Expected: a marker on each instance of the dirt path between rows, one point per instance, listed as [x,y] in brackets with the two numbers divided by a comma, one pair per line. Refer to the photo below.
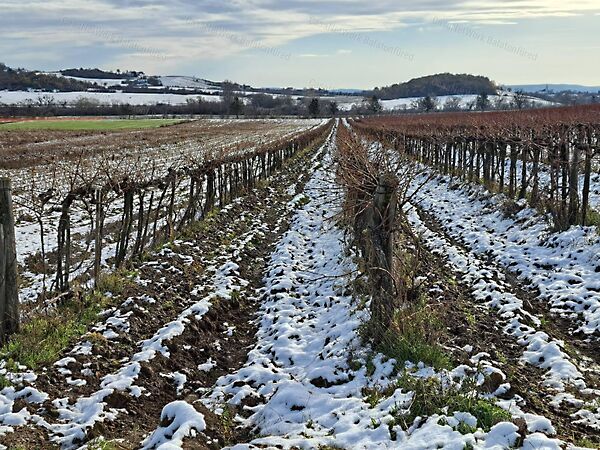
[471,323]
[208,347]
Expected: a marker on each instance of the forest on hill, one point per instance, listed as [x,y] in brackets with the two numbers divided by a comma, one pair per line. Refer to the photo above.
[437,85]
[22,79]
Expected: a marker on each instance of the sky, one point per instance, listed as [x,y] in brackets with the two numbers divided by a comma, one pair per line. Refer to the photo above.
[310,43]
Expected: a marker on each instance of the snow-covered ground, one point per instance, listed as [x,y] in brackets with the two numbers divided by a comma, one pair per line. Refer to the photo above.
[309,376]
[106,82]
[157,161]
[544,179]
[299,372]
[489,287]
[186,82]
[345,103]
[109,98]
[563,266]
[169,81]
[219,282]
[464,101]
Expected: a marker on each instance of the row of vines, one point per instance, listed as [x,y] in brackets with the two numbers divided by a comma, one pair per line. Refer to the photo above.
[149,209]
[548,157]
[372,184]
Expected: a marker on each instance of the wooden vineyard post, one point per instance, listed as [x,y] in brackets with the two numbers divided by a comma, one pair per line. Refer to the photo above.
[586,185]
[9,294]
[535,190]
[98,236]
[381,218]
[574,187]
[524,159]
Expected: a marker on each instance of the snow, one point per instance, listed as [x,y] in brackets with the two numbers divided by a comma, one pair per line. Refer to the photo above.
[466,101]
[179,379]
[306,333]
[501,436]
[539,441]
[168,81]
[65,361]
[87,411]
[108,82]
[345,103]
[8,396]
[84,348]
[207,366]
[488,286]
[179,81]
[298,373]
[563,266]
[15,97]
[218,284]
[183,420]
[306,392]
[177,155]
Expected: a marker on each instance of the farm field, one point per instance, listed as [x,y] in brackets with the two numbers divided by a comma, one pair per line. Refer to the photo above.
[83,124]
[86,162]
[345,102]
[412,282]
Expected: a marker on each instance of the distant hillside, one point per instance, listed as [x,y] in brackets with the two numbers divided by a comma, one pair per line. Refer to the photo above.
[548,88]
[99,74]
[182,82]
[21,80]
[437,85]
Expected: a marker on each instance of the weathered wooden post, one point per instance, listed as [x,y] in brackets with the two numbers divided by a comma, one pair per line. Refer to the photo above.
[99,198]
[381,221]
[9,294]
[586,184]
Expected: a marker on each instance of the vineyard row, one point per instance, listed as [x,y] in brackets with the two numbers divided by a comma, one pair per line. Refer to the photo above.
[154,210]
[550,162]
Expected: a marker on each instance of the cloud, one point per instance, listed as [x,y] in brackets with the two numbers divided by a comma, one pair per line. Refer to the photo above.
[313,55]
[190,31]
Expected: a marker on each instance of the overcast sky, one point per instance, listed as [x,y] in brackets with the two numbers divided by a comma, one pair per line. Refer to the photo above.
[310,43]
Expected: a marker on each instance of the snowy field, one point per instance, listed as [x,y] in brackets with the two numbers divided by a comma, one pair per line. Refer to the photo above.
[109,98]
[147,161]
[463,101]
[345,103]
[169,81]
[249,333]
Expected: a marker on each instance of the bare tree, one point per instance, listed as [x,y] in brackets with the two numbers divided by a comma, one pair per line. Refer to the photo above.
[333,108]
[373,104]
[452,104]
[519,100]
[236,106]
[228,93]
[314,108]
[427,103]
[482,102]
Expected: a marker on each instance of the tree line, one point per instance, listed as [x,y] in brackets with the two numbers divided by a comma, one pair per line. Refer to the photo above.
[22,80]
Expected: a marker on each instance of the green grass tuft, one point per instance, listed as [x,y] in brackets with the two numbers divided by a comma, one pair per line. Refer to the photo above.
[102,444]
[115,282]
[431,397]
[87,124]
[42,339]
[593,218]
[414,336]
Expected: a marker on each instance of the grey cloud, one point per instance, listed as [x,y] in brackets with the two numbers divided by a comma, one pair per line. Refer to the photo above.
[186,29]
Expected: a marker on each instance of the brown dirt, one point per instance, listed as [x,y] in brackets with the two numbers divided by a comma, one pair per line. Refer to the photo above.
[470,323]
[196,344]
[30,148]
